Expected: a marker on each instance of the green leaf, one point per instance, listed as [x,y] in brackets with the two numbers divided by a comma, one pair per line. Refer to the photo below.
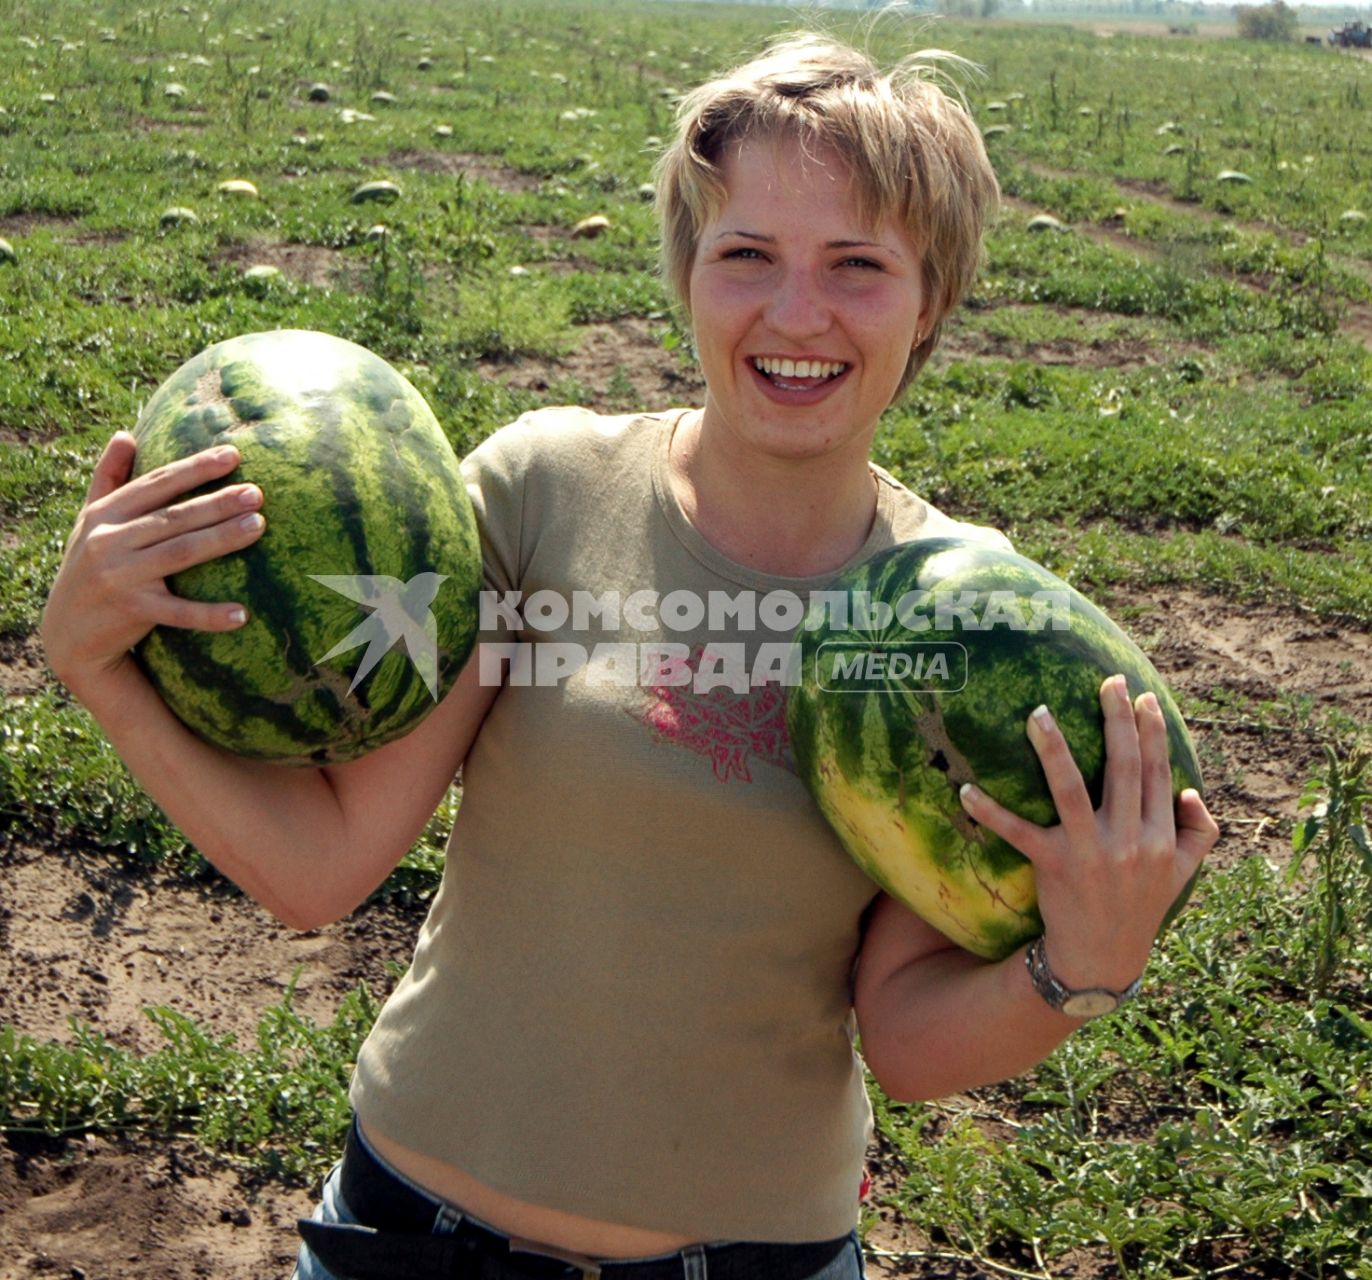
[1303,837]
[1305,832]
[1358,835]
[1362,1024]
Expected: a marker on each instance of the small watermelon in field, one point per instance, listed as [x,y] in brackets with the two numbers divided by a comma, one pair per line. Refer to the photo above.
[362,591]
[382,191]
[946,648]
[177,216]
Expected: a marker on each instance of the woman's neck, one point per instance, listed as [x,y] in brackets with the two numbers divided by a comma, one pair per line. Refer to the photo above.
[792,518]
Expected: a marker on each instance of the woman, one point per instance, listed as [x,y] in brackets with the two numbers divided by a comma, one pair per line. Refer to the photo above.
[626,1040]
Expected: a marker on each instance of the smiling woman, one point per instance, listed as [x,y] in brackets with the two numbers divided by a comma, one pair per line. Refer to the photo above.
[914,156]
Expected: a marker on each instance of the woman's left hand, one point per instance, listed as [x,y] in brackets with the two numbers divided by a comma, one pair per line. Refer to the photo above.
[1106,877]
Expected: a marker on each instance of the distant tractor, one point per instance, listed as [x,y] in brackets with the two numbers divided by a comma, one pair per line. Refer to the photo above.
[1352,35]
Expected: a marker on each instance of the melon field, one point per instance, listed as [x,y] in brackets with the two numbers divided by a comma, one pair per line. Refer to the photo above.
[1161,388]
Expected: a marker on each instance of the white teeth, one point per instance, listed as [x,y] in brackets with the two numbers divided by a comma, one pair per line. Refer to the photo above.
[797,368]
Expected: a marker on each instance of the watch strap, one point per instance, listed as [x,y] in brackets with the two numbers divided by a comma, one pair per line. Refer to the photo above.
[1085,1002]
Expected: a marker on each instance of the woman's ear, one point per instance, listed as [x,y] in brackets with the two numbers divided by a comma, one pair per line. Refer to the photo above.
[923,327]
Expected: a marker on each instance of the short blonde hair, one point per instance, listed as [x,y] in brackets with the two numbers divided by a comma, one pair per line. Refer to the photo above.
[917,158]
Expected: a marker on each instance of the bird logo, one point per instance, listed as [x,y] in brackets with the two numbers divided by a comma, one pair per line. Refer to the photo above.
[399,611]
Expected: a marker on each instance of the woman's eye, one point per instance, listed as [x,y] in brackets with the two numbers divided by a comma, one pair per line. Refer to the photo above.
[862,262]
[745,253]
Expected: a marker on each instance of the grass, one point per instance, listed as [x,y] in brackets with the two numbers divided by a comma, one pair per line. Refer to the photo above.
[280,1104]
[1204,426]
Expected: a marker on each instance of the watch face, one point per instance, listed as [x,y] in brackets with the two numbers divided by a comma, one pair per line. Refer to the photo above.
[1090,1004]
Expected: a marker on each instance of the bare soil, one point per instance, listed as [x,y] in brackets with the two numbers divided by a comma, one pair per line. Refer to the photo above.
[472,166]
[310,264]
[16,225]
[628,354]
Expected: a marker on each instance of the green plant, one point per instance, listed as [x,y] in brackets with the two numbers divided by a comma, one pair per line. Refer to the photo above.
[280,1105]
[1334,836]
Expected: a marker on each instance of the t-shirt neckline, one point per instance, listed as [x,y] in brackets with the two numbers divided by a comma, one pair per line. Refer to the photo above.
[695,542]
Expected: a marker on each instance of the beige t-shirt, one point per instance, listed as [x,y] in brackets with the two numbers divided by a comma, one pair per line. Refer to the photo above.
[631,998]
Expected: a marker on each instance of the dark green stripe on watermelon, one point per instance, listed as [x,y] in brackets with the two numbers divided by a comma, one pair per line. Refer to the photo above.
[885,758]
[357,479]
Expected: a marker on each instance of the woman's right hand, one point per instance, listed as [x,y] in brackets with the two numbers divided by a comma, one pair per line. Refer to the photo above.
[130,535]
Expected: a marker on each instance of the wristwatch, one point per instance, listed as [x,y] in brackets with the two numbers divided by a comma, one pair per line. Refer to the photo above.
[1089,1002]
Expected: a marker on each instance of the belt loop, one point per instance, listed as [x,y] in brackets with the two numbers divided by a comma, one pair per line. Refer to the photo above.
[693,1264]
[447,1220]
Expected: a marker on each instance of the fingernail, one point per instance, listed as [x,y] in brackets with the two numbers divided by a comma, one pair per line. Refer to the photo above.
[238,616]
[1042,718]
[969,792]
[251,523]
[1150,701]
[226,454]
[248,497]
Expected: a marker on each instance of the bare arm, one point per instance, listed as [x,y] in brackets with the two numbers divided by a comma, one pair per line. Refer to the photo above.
[308,843]
[936,1019]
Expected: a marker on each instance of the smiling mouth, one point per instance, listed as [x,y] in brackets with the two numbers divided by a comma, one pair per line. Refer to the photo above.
[798,375]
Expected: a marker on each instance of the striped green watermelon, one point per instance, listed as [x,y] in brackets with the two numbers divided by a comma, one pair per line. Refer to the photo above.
[370,549]
[884,741]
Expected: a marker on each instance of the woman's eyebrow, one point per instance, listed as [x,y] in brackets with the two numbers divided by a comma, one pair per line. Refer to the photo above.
[832,244]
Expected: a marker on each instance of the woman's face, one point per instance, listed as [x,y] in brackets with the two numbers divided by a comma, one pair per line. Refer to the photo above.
[804,316]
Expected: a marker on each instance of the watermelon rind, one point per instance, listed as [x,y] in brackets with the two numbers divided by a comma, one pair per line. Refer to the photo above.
[357,479]
[884,758]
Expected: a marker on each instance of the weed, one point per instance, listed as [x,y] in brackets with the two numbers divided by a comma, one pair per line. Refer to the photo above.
[1334,836]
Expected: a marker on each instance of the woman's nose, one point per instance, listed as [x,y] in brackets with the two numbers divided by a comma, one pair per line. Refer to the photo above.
[798,307]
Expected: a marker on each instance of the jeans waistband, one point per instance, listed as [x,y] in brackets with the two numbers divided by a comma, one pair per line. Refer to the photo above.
[411,1233]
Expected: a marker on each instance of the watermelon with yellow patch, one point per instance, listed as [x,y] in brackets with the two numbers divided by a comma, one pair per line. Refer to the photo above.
[917,672]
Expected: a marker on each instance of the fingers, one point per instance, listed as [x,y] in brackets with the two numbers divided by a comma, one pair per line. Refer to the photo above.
[1073,802]
[130,551]
[1120,793]
[179,552]
[1155,782]
[1031,840]
[161,486]
[1137,809]
[111,588]
[114,466]
[224,509]
[196,615]
[1065,782]
[1197,831]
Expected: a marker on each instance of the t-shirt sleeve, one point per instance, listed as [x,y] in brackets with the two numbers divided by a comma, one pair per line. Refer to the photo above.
[915,518]
[947,527]
[496,472]
[518,479]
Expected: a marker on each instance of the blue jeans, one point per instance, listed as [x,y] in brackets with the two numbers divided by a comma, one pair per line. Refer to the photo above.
[848,1265]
